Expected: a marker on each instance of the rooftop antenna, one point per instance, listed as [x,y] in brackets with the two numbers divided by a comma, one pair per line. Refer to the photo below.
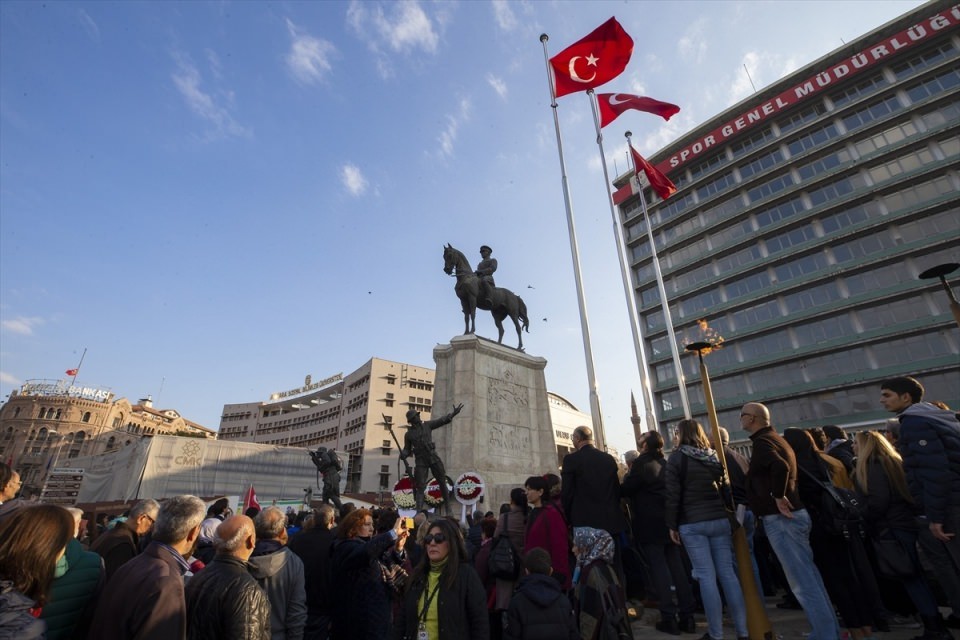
[749,78]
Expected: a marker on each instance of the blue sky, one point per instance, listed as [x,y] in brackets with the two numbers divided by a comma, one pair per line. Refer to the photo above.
[220,198]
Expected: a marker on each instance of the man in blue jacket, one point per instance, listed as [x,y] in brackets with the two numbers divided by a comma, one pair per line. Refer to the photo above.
[929,443]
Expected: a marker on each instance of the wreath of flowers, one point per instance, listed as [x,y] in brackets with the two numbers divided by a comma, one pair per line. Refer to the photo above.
[469,488]
[403,497]
[433,496]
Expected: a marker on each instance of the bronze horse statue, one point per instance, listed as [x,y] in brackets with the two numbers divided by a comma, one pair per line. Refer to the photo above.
[475,294]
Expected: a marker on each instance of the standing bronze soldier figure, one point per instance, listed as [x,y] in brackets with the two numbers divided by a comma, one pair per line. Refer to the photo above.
[418,442]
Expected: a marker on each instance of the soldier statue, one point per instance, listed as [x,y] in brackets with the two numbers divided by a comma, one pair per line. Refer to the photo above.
[328,463]
[418,442]
[485,270]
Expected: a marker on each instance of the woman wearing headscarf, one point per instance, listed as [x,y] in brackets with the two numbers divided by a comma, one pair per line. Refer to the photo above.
[445,599]
[598,595]
[698,518]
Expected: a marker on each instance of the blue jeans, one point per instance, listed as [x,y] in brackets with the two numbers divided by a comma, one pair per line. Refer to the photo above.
[710,547]
[790,539]
[750,528]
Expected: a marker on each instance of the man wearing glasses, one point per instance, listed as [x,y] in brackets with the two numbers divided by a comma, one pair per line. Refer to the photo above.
[122,543]
[774,498]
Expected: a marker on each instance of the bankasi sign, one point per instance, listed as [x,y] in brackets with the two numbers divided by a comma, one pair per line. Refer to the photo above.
[865,59]
[61,389]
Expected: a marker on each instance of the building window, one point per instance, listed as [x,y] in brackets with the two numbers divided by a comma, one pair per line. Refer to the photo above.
[16,412]
[86,417]
[385,448]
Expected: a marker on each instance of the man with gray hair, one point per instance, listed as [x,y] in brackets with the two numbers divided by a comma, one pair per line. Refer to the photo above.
[145,598]
[122,543]
[280,573]
[223,600]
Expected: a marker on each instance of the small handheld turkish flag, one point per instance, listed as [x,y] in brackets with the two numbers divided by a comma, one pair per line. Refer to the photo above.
[593,60]
[613,104]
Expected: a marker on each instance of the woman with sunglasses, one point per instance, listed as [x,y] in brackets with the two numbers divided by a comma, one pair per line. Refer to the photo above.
[361,598]
[445,599]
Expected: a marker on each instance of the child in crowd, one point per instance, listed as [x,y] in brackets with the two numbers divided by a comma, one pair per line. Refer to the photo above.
[539,609]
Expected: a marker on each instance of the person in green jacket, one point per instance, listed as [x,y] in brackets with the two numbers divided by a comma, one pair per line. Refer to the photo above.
[78,580]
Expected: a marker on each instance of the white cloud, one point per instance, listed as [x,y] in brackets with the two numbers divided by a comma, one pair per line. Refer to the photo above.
[6,378]
[498,85]
[693,44]
[89,26]
[21,325]
[449,134]
[406,29]
[352,178]
[213,109]
[309,57]
[504,15]
[764,68]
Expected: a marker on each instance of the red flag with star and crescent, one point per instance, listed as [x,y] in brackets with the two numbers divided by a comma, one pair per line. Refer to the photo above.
[593,60]
[659,182]
[613,104]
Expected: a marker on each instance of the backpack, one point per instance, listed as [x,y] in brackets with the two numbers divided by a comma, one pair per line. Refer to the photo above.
[504,560]
[840,511]
[604,598]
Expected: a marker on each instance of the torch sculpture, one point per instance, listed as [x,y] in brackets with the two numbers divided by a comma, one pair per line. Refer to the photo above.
[758,624]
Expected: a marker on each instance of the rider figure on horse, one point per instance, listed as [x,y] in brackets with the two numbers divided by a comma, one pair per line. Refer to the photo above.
[485,270]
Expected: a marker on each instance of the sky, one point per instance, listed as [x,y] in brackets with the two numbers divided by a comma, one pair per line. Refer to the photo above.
[217,199]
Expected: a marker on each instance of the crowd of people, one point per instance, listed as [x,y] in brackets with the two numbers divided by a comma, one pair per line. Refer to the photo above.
[859,533]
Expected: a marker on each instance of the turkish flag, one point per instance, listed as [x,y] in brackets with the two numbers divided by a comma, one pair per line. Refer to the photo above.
[72,372]
[250,499]
[592,61]
[613,104]
[659,182]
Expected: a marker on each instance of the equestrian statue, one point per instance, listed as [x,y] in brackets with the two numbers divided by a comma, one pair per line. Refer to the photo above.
[476,290]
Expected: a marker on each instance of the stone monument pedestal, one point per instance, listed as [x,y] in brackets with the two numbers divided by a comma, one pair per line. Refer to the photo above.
[504,432]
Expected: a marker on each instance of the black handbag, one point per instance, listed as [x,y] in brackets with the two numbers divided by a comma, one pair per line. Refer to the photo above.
[893,560]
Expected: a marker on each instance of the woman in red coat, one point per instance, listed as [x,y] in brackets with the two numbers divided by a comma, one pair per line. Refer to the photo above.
[546,528]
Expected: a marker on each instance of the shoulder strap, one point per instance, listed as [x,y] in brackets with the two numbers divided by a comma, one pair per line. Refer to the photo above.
[826,486]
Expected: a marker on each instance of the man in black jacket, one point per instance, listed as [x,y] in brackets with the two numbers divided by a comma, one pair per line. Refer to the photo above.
[313,547]
[223,600]
[590,491]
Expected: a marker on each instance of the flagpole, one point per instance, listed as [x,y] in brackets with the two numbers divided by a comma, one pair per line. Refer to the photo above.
[595,413]
[647,395]
[84,355]
[664,303]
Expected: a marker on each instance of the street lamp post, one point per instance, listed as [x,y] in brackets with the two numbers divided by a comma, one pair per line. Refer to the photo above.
[940,271]
[758,624]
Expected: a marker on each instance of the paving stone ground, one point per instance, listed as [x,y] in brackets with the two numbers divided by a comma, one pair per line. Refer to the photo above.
[788,624]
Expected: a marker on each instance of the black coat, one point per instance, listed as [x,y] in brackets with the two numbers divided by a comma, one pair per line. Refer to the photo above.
[313,547]
[461,609]
[539,610]
[591,490]
[360,598]
[646,487]
[886,508]
[224,601]
[693,496]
